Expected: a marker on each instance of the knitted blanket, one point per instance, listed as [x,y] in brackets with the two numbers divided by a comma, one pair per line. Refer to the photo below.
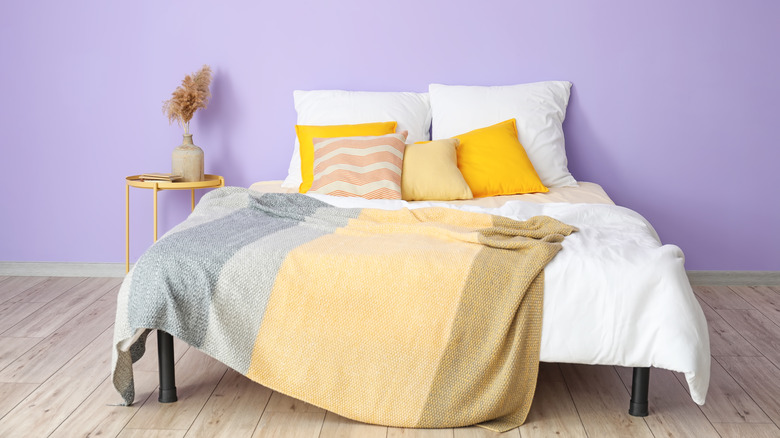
[410,318]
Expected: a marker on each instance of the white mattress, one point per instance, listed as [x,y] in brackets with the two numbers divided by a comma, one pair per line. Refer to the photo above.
[613,296]
[589,193]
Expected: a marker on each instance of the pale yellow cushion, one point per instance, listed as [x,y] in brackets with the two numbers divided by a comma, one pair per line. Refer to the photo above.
[493,162]
[306,134]
[430,172]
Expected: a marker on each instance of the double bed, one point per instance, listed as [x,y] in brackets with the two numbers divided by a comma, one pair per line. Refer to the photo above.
[612,295]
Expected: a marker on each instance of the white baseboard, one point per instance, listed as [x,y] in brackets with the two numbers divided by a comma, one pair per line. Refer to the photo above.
[61,269]
[58,269]
[734,278]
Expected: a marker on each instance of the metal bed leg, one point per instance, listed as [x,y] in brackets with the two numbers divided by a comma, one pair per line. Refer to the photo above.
[639,390]
[165,367]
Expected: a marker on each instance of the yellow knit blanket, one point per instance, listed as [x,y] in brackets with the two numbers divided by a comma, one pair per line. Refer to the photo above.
[414,318]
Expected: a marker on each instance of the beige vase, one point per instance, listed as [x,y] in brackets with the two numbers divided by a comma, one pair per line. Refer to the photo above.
[188,161]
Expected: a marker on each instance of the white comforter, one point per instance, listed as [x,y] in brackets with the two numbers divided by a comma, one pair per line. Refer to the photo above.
[613,296]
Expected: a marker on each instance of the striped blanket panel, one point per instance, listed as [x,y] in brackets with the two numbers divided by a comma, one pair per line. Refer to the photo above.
[409,318]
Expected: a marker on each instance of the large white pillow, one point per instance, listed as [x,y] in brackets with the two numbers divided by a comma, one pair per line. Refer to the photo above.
[412,112]
[539,109]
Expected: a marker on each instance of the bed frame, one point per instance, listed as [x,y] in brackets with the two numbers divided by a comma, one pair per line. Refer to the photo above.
[636,408]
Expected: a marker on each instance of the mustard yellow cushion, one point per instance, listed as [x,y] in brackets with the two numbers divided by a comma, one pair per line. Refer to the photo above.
[430,172]
[493,162]
[306,134]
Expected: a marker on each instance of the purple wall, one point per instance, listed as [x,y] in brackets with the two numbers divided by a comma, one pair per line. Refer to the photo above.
[674,106]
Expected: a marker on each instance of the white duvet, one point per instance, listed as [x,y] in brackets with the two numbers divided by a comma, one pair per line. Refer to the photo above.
[613,296]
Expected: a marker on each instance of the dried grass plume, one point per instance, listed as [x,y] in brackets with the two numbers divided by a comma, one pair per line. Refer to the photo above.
[192,94]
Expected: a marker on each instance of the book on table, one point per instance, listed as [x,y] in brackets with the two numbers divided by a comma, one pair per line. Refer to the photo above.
[161,177]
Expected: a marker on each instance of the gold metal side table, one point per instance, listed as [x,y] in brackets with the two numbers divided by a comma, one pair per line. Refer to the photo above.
[209,182]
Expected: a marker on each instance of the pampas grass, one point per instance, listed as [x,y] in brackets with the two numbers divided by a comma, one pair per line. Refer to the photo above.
[192,94]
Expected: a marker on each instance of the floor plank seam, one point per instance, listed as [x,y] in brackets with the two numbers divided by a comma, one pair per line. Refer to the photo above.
[747,392]
[206,401]
[68,321]
[322,423]
[69,413]
[146,400]
[62,293]
[254,430]
[43,283]
[571,397]
[110,327]
[748,340]
[8,280]
[66,363]
[78,406]
[736,355]
[2,417]
[20,354]
[738,332]
[760,310]
[744,389]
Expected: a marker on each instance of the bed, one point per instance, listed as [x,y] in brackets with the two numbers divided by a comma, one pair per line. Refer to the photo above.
[613,294]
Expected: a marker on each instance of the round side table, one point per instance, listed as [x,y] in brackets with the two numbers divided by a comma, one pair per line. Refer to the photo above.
[209,182]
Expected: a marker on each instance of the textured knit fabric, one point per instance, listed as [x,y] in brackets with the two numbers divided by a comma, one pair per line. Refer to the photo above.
[407,318]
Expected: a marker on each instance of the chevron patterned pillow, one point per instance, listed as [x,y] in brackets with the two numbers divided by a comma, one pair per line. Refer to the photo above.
[365,167]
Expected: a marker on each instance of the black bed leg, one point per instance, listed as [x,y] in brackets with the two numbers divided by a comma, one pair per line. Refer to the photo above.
[165,367]
[639,389]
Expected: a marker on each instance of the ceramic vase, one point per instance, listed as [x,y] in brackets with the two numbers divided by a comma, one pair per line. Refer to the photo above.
[188,161]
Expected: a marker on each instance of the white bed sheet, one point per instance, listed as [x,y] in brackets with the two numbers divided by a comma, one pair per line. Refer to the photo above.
[613,296]
[586,192]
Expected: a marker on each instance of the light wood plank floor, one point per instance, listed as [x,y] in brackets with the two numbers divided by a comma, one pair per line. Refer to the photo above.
[55,340]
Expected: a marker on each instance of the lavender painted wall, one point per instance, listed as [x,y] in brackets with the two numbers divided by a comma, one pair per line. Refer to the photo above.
[674,106]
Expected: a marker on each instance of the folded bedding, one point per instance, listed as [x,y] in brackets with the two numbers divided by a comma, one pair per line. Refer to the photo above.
[411,318]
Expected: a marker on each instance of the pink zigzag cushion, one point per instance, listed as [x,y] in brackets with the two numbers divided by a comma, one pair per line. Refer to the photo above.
[365,167]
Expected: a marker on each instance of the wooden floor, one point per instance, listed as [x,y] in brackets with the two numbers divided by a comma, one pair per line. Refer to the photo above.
[55,343]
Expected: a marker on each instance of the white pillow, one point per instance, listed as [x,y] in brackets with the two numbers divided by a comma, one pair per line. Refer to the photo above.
[539,109]
[412,112]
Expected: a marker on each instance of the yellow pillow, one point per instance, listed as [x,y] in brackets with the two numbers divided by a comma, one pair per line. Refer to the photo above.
[307,133]
[430,172]
[493,162]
